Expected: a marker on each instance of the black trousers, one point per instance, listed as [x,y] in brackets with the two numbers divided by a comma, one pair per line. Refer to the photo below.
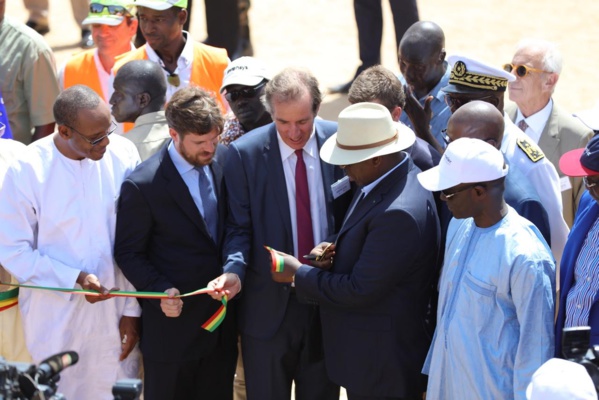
[293,354]
[369,19]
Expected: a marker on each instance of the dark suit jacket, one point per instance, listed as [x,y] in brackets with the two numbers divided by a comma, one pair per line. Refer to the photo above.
[162,242]
[562,133]
[374,300]
[259,215]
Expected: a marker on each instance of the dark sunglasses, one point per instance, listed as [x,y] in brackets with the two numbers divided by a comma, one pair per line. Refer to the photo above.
[97,8]
[246,93]
[457,102]
[521,70]
[589,185]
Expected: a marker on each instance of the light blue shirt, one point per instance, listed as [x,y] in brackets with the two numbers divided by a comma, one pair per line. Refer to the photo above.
[190,176]
[440,109]
[495,314]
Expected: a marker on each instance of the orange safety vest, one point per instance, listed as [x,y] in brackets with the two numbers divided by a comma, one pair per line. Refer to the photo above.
[207,69]
[81,70]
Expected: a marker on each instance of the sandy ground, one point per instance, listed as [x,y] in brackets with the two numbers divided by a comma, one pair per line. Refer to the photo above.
[321,35]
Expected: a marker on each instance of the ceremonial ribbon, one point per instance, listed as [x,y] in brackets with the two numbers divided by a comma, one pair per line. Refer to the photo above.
[277,261]
[9,299]
[209,325]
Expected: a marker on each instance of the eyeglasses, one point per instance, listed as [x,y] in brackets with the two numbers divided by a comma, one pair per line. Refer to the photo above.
[457,102]
[94,142]
[97,8]
[246,93]
[521,70]
[589,185]
[450,195]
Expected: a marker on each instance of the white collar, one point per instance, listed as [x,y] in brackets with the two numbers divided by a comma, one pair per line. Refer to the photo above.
[311,147]
[538,120]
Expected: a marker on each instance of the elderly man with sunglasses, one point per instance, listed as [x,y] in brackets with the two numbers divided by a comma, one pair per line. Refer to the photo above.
[113,27]
[58,224]
[496,292]
[243,84]
[536,66]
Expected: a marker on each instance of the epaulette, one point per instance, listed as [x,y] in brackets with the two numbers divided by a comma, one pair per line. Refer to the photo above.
[531,150]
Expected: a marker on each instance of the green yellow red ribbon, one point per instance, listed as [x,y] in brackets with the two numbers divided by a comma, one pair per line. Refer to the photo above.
[9,299]
[209,325]
[277,261]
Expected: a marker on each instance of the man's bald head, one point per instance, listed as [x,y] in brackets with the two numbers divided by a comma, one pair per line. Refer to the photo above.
[421,56]
[145,75]
[479,120]
[423,37]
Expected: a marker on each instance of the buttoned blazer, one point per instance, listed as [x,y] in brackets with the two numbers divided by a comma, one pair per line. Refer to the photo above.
[163,242]
[374,301]
[259,216]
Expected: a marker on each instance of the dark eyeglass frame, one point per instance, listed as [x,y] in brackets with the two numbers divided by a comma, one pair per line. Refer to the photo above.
[588,185]
[521,69]
[97,8]
[450,195]
[461,101]
[94,142]
[246,93]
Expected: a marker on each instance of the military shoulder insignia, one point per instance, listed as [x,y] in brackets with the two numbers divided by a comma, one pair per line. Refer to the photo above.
[531,150]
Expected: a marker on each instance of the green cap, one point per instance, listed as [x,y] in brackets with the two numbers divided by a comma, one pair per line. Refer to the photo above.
[160,5]
[100,13]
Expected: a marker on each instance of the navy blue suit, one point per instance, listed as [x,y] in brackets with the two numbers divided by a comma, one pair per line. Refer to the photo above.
[259,215]
[374,299]
[162,242]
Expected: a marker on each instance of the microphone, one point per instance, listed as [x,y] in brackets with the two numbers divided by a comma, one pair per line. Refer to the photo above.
[54,365]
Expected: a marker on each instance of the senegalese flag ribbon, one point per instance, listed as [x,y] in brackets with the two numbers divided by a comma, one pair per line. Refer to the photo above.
[277,261]
[210,325]
[9,299]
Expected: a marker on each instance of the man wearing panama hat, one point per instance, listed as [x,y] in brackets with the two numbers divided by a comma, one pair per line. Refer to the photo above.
[374,298]
[113,27]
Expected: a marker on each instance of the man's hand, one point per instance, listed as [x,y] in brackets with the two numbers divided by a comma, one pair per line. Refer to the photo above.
[324,253]
[91,282]
[227,284]
[290,267]
[420,117]
[129,329]
[172,306]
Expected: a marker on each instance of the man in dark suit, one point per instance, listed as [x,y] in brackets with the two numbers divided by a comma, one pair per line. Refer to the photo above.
[281,195]
[169,229]
[374,298]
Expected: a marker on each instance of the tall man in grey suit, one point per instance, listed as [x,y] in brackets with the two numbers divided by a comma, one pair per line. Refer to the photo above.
[169,229]
[374,298]
[280,195]
[537,65]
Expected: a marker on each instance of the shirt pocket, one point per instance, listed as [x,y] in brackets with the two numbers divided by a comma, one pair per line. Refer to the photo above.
[476,302]
[480,287]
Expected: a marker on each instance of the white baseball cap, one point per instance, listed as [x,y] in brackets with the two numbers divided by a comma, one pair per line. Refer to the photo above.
[246,71]
[559,379]
[465,160]
[365,130]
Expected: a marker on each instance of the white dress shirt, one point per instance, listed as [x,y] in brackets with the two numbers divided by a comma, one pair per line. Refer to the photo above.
[536,122]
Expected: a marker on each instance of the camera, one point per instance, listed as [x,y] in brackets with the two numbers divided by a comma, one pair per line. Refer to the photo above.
[23,381]
[576,348]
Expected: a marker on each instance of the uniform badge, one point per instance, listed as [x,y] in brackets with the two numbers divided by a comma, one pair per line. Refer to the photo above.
[531,150]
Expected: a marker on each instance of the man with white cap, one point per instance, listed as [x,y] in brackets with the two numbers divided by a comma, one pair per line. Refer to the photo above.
[244,83]
[496,293]
[374,297]
[183,60]
[472,79]
[113,27]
